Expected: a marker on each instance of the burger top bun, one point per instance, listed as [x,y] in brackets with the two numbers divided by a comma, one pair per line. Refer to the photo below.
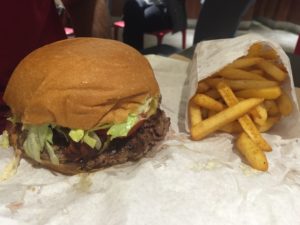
[80,83]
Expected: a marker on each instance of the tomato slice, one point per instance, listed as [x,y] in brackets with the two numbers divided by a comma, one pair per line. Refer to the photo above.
[135,127]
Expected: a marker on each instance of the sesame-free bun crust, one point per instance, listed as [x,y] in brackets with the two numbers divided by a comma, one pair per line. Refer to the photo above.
[80,83]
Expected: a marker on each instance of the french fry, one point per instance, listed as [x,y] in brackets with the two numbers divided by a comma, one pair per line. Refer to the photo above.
[202,87]
[270,122]
[259,72]
[271,107]
[259,114]
[255,50]
[269,54]
[228,115]
[207,102]
[253,154]
[242,84]
[259,50]
[213,82]
[244,97]
[280,65]
[194,114]
[213,93]
[266,93]
[285,104]
[273,70]
[245,62]
[232,128]
[248,84]
[245,121]
[238,74]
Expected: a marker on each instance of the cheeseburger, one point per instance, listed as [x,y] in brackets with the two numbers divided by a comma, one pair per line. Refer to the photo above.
[83,104]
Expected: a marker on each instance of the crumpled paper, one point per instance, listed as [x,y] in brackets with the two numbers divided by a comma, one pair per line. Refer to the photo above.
[186,182]
[212,56]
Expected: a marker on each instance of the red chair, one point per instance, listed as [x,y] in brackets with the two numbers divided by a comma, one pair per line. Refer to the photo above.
[159,34]
[69,31]
[117,25]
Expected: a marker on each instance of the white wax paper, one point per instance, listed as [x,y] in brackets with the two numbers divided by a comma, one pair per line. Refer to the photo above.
[186,182]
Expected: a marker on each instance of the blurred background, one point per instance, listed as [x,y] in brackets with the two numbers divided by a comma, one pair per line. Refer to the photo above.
[278,20]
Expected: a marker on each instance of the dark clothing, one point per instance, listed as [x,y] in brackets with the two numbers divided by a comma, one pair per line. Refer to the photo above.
[141,17]
[219,19]
[176,9]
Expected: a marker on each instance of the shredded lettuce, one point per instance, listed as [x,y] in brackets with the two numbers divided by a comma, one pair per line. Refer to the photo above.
[37,138]
[98,144]
[153,107]
[88,137]
[13,119]
[11,167]
[76,134]
[40,137]
[89,140]
[4,141]
[92,140]
[104,126]
[115,130]
[149,107]
[145,107]
[53,157]
[122,129]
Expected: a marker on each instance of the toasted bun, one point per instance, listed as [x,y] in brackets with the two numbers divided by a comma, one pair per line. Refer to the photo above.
[80,83]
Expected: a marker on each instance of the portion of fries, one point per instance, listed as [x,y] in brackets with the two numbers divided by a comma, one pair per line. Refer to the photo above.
[243,98]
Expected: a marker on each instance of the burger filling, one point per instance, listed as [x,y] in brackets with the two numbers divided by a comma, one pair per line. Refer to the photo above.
[60,144]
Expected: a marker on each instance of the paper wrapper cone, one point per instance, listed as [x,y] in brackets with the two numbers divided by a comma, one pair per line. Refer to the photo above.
[211,56]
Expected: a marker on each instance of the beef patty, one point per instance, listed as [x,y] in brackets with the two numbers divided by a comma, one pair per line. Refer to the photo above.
[119,150]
